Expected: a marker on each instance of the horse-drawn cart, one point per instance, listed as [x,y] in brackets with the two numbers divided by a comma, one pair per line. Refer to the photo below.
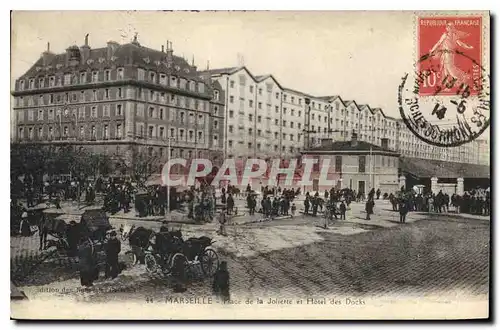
[188,254]
[68,231]
[165,251]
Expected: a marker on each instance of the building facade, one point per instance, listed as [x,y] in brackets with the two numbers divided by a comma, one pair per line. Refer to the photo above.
[281,122]
[119,97]
[354,164]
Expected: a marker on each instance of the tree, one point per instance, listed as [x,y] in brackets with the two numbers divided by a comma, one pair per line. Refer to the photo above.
[139,163]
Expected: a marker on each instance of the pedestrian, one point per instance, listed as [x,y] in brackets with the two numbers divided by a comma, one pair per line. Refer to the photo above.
[430,202]
[230,204]
[179,275]
[73,236]
[220,284]
[403,210]
[294,208]
[112,249]
[164,227]
[343,209]
[24,227]
[306,205]
[86,264]
[370,204]
[222,222]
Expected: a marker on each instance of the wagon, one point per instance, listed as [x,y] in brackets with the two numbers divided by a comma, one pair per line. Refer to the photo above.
[185,255]
[68,230]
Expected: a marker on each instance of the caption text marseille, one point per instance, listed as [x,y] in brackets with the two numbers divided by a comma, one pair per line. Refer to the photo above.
[269,301]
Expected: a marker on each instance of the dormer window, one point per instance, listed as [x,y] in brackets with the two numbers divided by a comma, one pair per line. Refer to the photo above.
[83,77]
[163,79]
[140,74]
[32,84]
[216,95]
[67,79]
[120,73]
[107,75]
[21,85]
[41,83]
[152,77]
[94,76]
[201,87]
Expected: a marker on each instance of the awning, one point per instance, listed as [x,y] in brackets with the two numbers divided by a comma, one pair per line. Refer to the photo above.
[428,168]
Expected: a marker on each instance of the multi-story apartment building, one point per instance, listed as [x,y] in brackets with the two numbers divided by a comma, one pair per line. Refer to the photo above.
[279,121]
[119,96]
[253,113]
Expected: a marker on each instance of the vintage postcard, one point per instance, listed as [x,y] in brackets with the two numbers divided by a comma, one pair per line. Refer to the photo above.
[250,165]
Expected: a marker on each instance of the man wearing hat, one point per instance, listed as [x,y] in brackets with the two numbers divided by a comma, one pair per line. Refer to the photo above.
[164,227]
[24,228]
[222,222]
[112,248]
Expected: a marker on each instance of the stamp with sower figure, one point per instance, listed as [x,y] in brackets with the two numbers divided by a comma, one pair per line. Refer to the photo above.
[446,100]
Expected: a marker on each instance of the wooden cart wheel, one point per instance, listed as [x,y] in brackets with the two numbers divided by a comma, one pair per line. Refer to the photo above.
[151,264]
[209,262]
[130,259]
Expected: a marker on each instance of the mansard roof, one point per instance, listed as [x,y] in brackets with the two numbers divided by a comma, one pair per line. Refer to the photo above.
[130,54]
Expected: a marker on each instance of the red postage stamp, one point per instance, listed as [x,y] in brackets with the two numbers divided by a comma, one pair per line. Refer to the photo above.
[449,55]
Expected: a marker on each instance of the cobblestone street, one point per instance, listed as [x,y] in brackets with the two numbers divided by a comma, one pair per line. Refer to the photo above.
[296,258]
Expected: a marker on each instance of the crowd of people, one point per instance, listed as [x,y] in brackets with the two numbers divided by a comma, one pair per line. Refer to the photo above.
[476,201]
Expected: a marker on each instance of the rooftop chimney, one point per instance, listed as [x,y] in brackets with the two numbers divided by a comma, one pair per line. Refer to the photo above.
[170,52]
[384,143]
[85,49]
[354,139]
[135,41]
[162,48]
[47,56]
[112,46]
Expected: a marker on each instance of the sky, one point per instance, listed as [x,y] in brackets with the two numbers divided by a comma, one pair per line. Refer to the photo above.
[357,55]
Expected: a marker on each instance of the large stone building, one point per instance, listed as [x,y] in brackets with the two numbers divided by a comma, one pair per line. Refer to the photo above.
[281,122]
[354,164]
[119,97]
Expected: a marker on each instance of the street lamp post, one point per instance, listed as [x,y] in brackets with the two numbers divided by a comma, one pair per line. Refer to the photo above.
[169,140]
[372,163]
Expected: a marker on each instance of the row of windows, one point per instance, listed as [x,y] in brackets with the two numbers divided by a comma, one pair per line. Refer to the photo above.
[292,99]
[62,98]
[251,88]
[384,161]
[276,134]
[106,110]
[172,81]
[313,115]
[299,112]
[162,97]
[64,132]
[258,146]
[96,76]
[174,152]
[160,133]
[67,79]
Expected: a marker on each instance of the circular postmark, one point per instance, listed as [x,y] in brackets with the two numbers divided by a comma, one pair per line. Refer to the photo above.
[442,106]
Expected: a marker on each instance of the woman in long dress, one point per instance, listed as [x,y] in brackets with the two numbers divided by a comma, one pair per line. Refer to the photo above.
[446,49]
